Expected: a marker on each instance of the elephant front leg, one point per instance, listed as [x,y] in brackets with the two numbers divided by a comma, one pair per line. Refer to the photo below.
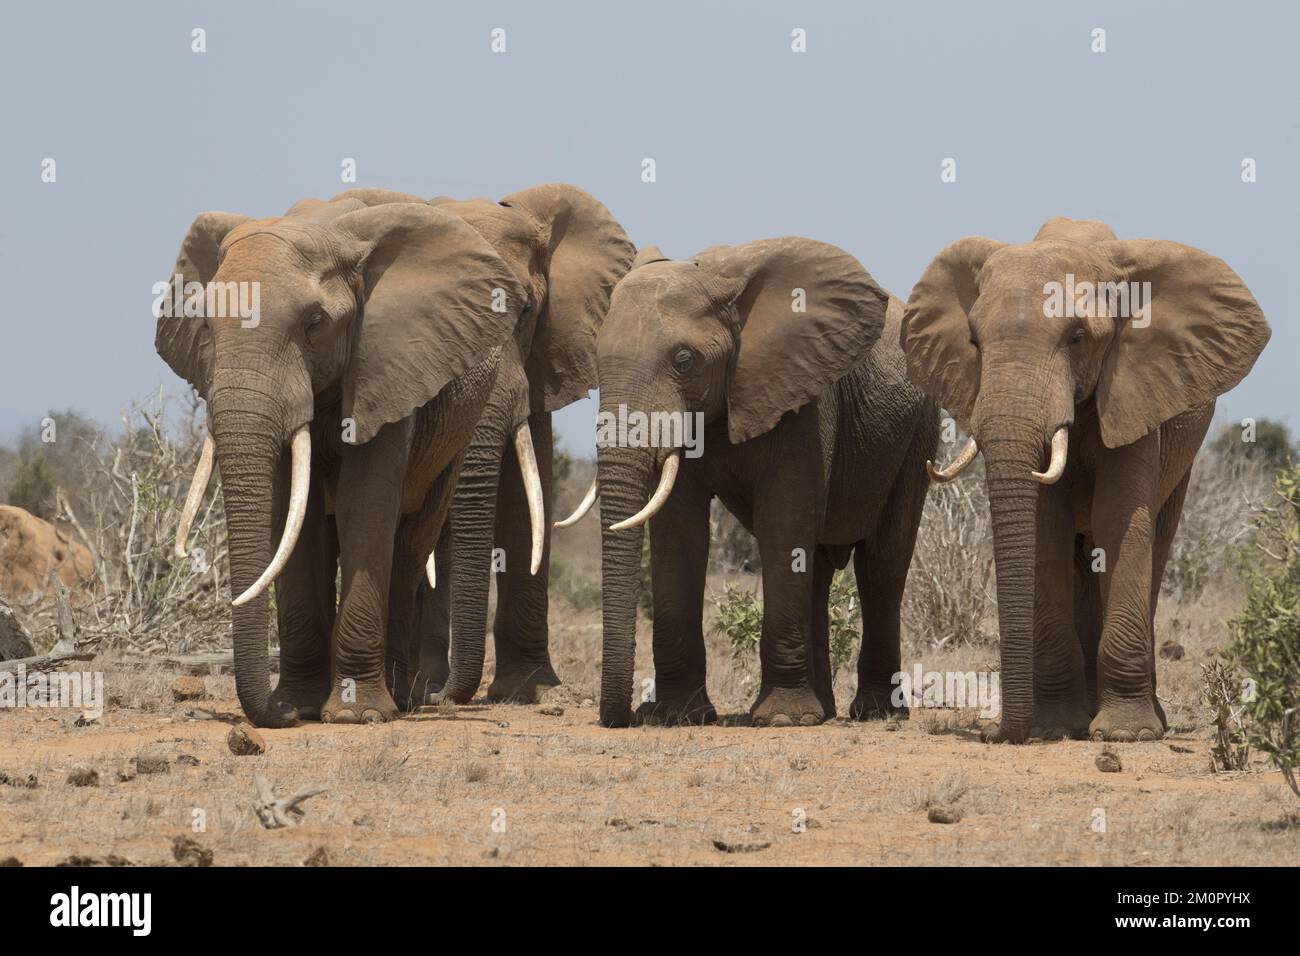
[1060,685]
[304,602]
[1123,525]
[368,510]
[786,532]
[523,659]
[679,556]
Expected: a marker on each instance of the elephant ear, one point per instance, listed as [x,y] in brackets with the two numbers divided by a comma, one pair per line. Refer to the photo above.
[588,254]
[808,312]
[184,342]
[436,300]
[647,255]
[1201,336]
[935,334]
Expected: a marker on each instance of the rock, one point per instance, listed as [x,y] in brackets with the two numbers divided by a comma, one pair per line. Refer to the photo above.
[1171,651]
[319,857]
[145,764]
[1108,761]
[551,710]
[83,776]
[244,741]
[753,846]
[187,760]
[943,815]
[188,687]
[189,852]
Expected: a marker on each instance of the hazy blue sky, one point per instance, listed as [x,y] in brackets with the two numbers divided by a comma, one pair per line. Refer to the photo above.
[842,143]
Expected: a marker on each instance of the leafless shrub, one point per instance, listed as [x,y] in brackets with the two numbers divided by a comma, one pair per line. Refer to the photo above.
[949,599]
[141,596]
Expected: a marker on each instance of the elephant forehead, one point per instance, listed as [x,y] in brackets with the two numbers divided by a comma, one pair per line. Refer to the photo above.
[1032,266]
[272,245]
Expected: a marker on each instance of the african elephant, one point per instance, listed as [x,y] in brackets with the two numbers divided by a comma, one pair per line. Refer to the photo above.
[568,252]
[371,356]
[812,438]
[1111,353]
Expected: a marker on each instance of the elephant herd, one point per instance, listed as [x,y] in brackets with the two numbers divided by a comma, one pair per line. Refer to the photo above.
[383,432]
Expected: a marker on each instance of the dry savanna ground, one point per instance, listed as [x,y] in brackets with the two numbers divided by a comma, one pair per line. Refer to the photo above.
[546,785]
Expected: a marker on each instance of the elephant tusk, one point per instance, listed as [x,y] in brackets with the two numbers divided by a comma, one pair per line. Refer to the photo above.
[533,492]
[431,569]
[584,506]
[194,497]
[1056,467]
[956,466]
[299,482]
[666,480]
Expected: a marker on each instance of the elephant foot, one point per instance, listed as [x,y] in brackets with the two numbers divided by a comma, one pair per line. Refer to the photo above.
[787,707]
[1126,722]
[876,702]
[301,697]
[368,703]
[671,710]
[1060,720]
[520,683]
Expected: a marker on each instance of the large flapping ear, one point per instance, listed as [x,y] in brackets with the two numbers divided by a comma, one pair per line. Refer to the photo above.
[436,299]
[588,254]
[935,335]
[1200,337]
[184,342]
[808,312]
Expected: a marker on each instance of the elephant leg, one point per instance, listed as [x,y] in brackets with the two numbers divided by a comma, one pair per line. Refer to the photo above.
[881,567]
[819,650]
[435,618]
[789,504]
[1123,524]
[519,631]
[417,535]
[1060,682]
[1166,526]
[368,510]
[679,557]
[1087,613]
[304,603]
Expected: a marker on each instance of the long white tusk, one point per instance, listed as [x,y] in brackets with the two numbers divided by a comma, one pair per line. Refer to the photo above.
[1056,467]
[431,570]
[533,492]
[584,506]
[956,466]
[299,482]
[194,497]
[666,479]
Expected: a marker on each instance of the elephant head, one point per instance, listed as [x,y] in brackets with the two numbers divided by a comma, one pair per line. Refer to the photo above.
[741,334]
[1014,339]
[370,310]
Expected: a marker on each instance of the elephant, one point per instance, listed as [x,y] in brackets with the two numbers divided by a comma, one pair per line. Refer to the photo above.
[568,252]
[31,549]
[1107,357]
[811,436]
[371,357]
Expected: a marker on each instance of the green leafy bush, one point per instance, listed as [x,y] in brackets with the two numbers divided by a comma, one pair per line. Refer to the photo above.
[1265,646]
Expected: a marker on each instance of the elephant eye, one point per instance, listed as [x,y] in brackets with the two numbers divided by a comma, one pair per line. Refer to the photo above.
[683,360]
[1076,336]
[314,320]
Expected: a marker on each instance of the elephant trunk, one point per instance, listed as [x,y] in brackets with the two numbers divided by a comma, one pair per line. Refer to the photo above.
[473,518]
[625,475]
[1012,452]
[247,424]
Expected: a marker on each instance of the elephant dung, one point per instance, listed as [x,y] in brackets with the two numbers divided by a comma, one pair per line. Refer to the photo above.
[188,687]
[244,741]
